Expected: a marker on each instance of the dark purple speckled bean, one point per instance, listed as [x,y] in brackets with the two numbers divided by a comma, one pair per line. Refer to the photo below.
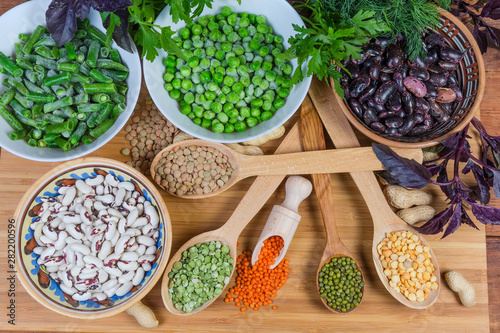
[449,66]
[356,107]
[394,102]
[407,126]
[384,77]
[378,126]
[368,92]
[377,107]
[408,102]
[385,91]
[419,73]
[358,85]
[437,80]
[394,56]
[394,122]
[398,78]
[370,116]
[450,55]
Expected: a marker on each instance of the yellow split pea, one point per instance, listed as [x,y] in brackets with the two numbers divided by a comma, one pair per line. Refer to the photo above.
[407,264]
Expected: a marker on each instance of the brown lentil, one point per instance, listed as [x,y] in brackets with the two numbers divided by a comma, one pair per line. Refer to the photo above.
[148,132]
[183,172]
[407,264]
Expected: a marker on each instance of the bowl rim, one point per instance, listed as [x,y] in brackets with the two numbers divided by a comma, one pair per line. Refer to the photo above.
[206,134]
[460,126]
[22,149]
[31,193]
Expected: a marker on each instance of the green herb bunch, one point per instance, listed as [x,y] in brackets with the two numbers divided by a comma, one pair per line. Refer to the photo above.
[337,29]
[329,39]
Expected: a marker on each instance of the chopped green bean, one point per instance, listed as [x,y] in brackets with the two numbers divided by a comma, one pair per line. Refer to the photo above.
[18,135]
[66,101]
[90,107]
[59,128]
[10,119]
[7,97]
[95,88]
[28,47]
[57,79]
[93,53]
[68,67]
[40,98]
[99,77]
[100,98]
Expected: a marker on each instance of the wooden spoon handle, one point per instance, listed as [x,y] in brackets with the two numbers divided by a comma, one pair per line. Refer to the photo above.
[312,162]
[343,136]
[262,188]
[314,139]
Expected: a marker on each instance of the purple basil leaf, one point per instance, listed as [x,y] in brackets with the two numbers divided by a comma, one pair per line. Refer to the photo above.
[467,220]
[443,178]
[387,177]
[496,182]
[492,35]
[483,189]
[491,9]
[455,221]
[120,33]
[109,5]
[61,18]
[480,38]
[451,142]
[436,224]
[486,214]
[434,169]
[468,167]
[408,173]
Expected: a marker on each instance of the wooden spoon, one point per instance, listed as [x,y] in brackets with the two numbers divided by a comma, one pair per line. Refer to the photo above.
[326,161]
[255,198]
[384,219]
[313,139]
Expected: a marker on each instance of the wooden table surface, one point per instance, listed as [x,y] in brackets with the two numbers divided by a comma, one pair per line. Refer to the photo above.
[299,306]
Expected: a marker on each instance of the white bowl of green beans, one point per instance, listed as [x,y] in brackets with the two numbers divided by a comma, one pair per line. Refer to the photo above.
[249,107]
[49,111]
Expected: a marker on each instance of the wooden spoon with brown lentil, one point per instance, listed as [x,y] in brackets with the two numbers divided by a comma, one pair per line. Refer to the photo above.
[197,169]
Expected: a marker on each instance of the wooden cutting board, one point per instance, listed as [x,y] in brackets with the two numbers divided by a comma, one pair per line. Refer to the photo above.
[299,306]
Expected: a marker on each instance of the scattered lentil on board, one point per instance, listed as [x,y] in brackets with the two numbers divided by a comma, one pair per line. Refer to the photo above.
[193,170]
[257,285]
[407,264]
[148,133]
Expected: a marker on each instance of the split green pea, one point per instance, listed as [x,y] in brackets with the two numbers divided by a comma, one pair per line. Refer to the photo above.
[200,275]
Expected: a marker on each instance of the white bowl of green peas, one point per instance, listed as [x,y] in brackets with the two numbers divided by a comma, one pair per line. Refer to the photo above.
[65,110]
[232,87]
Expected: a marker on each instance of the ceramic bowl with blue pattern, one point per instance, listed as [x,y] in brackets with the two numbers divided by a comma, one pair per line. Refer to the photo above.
[34,277]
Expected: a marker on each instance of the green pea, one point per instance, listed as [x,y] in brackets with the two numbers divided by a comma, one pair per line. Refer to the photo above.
[251,121]
[233,62]
[184,33]
[228,81]
[193,62]
[218,128]
[175,94]
[245,112]
[208,114]
[240,126]
[185,71]
[219,55]
[228,128]
[170,61]
[186,109]
[186,84]
[266,115]
[226,90]
[216,107]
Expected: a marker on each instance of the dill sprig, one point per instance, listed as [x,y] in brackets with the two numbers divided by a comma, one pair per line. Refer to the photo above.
[405,17]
